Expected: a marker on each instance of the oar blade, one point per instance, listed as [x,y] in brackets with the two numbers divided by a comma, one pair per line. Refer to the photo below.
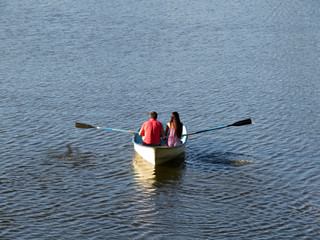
[241,123]
[84,125]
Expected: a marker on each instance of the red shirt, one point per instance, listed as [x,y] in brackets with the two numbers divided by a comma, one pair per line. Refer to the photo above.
[151,131]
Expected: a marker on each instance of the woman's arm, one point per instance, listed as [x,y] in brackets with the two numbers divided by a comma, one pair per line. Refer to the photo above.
[167,129]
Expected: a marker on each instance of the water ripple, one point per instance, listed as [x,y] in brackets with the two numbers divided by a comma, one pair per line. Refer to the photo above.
[110,64]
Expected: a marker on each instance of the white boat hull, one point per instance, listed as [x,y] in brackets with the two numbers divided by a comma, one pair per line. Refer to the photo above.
[159,154]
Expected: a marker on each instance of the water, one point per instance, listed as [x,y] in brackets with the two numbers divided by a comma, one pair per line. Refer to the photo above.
[109,63]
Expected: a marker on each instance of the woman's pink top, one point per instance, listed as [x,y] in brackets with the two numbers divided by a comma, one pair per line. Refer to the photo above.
[172,139]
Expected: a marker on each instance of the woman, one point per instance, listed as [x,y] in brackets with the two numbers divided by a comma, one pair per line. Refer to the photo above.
[174,127]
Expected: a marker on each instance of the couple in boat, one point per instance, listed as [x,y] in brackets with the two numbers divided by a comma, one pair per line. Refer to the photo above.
[152,131]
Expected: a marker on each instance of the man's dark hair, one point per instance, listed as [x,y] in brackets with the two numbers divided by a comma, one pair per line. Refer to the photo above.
[153,115]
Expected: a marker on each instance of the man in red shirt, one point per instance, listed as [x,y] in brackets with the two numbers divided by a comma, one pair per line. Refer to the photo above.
[152,130]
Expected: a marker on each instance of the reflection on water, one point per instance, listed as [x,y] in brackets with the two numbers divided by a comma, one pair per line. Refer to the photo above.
[150,176]
[160,193]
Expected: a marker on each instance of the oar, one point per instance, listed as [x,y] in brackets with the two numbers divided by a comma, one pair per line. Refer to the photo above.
[83,125]
[239,123]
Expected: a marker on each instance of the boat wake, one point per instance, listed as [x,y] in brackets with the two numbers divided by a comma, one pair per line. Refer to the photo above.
[223,158]
[73,156]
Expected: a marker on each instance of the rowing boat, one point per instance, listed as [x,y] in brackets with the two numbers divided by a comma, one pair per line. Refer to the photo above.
[159,154]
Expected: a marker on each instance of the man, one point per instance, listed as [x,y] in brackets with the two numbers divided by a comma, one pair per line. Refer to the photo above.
[152,130]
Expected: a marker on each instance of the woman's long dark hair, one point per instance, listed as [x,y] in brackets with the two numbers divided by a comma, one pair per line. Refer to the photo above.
[177,125]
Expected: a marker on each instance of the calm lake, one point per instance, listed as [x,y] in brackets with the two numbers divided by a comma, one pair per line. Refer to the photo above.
[110,63]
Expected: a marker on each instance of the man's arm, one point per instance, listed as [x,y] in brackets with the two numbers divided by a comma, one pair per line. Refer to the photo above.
[141,132]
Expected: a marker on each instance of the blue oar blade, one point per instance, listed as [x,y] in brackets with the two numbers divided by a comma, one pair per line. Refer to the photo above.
[239,123]
[84,125]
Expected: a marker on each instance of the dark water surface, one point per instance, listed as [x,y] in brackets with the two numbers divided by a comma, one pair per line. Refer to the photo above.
[109,63]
